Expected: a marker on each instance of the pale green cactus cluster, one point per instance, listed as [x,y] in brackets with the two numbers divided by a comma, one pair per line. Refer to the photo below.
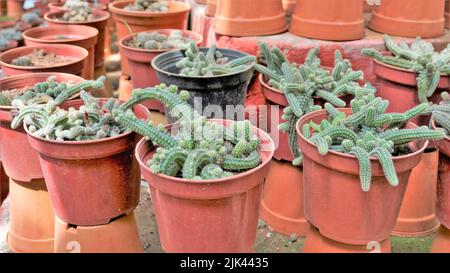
[301,85]
[441,113]
[420,57]
[149,6]
[32,17]
[78,13]
[369,132]
[69,4]
[197,149]
[213,63]
[11,33]
[159,41]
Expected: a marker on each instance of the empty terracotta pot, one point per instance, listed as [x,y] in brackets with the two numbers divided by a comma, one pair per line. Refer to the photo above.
[441,243]
[328,20]
[316,243]
[282,200]
[211,7]
[139,62]
[59,6]
[76,66]
[409,18]
[100,24]
[419,218]
[244,18]
[31,218]
[334,200]
[119,236]
[211,215]
[82,36]
[14,8]
[20,161]
[4,184]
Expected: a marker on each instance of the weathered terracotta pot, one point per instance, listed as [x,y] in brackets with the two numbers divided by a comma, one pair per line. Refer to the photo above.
[100,24]
[316,243]
[31,218]
[82,36]
[20,161]
[59,6]
[211,215]
[443,189]
[105,178]
[75,67]
[334,201]
[282,200]
[409,18]
[14,8]
[211,8]
[328,20]
[4,184]
[98,239]
[441,243]
[244,18]
[139,62]
[419,218]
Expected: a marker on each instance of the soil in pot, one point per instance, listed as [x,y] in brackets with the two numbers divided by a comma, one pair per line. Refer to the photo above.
[41,58]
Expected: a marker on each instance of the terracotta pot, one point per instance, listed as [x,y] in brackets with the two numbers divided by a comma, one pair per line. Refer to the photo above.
[334,201]
[207,216]
[139,63]
[4,184]
[443,192]
[138,21]
[282,199]
[125,87]
[419,218]
[100,24]
[75,67]
[211,7]
[82,36]
[15,8]
[105,180]
[447,14]
[409,18]
[244,18]
[328,20]
[98,239]
[289,6]
[31,218]
[59,6]
[20,161]
[441,243]
[316,243]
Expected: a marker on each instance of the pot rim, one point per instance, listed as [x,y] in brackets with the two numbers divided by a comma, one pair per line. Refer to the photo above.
[128,37]
[31,68]
[153,63]
[308,116]
[113,7]
[208,181]
[95,32]
[104,15]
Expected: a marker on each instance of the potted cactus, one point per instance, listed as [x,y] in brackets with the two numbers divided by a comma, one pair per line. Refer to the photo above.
[70,4]
[356,163]
[33,18]
[198,170]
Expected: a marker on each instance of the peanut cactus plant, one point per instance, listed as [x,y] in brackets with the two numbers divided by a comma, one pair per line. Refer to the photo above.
[441,113]
[157,41]
[149,6]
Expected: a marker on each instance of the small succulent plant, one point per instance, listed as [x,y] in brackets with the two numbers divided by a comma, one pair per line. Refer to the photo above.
[213,63]
[156,41]
[4,43]
[420,57]
[149,6]
[79,14]
[441,113]
[33,18]
[369,132]
[200,149]
[11,33]
[70,4]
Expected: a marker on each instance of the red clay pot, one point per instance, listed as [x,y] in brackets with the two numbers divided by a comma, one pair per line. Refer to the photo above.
[447,14]
[441,243]
[316,243]
[100,24]
[91,182]
[419,218]
[244,18]
[409,18]
[139,63]
[211,8]
[282,199]
[139,21]
[4,184]
[82,36]
[20,161]
[15,8]
[59,6]
[31,218]
[74,67]
[334,201]
[328,20]
[207,216]
[443,192]
[119,236]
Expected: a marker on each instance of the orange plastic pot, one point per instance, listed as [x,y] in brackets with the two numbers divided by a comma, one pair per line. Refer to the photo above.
[119,236]
[211,215]
[91,182]
[316,243]
[14,8]
[31,218]
[100,24]
[20,161]
[211,7]
[139,63]
[419,218]
[74,67]
[60,6]
[4,184]
[328,20]
[244,18]
[289,6]
[282,200]
[441,243]
[409,18]
[443,192]
[82,36]
[139,21]
[334,201]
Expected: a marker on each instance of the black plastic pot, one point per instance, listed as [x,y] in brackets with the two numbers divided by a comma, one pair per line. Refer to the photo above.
[216,92]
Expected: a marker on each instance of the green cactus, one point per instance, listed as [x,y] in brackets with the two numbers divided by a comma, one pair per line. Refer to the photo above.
[441,113]
[159,41]
[148,6]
